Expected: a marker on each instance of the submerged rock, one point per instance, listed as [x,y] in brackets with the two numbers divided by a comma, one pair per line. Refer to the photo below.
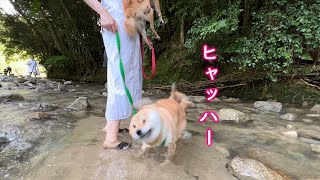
[72,90]
[62,87]
[232,115]
[254,169]
[289,117]
[268,106]
[289,126]
[290,134]
[313,115]
[315,148]
[42,88]
[80,104]
[307,120]
[11,97]
[315,109]
[44,107]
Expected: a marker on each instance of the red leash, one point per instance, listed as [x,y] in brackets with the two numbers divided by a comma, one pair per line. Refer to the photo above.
[153,66]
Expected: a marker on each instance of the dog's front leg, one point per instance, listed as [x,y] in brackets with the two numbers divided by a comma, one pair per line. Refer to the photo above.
[143,149]
[171,150]
[145,38]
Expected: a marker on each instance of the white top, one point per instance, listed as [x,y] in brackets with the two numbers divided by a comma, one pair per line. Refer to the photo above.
[32,66]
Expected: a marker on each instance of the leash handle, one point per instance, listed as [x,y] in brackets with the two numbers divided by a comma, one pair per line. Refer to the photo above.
[153,66]
[134,111]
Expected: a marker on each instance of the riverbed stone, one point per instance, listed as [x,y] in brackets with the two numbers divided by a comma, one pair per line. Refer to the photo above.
[42,88]
[313,115]
[80,104]
[68,83]
[315,109]
[44,107]
[62,87]
[289,117]
[252,168]
[19,80]
[268,106]
[231,100]
[72,90]
[5,78]
[290,134]
[232,115]
[315,148]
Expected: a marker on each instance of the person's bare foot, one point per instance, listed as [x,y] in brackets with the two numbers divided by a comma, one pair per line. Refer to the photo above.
[116,145]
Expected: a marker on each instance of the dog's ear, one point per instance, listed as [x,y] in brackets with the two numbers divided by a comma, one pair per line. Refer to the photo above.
[143,102]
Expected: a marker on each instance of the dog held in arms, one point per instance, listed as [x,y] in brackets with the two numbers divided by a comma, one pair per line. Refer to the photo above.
[137,12]
[160,123]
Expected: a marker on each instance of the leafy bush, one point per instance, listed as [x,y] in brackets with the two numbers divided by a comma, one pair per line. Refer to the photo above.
[58,64]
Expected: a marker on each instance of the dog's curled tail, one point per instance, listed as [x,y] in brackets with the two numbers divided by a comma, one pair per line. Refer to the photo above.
[179,97]
[129,26]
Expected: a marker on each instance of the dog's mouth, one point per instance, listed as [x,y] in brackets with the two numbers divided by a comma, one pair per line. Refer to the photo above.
[146,134]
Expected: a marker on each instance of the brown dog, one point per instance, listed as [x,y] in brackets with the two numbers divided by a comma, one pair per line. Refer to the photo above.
[137,12]
[161,123]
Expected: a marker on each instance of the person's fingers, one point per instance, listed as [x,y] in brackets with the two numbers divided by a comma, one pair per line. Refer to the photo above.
[116,26]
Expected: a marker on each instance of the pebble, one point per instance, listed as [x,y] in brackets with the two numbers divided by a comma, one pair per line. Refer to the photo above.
[289,126]
[289,117]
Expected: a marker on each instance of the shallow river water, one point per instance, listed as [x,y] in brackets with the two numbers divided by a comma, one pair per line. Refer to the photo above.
[68,144]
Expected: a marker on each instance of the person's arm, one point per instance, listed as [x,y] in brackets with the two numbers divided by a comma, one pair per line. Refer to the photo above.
[106,20]
[28,63]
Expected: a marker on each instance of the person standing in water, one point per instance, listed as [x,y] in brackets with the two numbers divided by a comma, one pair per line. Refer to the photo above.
[118,106]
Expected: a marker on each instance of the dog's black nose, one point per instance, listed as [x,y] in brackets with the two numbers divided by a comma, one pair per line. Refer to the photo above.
[139,132]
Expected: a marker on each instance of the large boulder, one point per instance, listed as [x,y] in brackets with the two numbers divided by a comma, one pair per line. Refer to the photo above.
[80,104]
[268,106]
[242,166]
[233,116]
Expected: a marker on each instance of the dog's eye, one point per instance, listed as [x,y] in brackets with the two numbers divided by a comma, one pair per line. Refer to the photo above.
[134,126]
[144,121]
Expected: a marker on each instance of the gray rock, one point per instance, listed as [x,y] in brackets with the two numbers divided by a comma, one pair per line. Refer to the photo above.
[62,87]
[289,117]
[252,168]
[315,148]
[42,88]
[80,104]
[72,90]
[290,134]
[5,78]
[268,106]
[232,115]
[186,135]
[19,80]
[11,97]
[68,83]
[315,109]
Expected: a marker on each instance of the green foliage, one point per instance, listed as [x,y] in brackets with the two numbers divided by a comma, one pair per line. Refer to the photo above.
[282,32]
[58,65]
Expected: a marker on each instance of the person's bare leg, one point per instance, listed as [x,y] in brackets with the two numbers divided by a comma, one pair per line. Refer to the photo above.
[112,139]
[30,74]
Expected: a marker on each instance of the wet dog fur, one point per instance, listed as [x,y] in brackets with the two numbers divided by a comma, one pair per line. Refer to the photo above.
[160,123]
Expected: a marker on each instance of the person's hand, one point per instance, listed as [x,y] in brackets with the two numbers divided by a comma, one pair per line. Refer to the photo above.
[107,22]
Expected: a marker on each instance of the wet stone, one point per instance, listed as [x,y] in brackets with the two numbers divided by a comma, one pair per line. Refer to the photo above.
[11,98]
[315,148]
[80,104]
[252,168]
[268,106]
[288,117]
[315,109]
[290,134]
[232,115]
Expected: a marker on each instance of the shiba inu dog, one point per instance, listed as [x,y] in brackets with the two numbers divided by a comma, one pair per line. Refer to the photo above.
[160,123]
[137,12]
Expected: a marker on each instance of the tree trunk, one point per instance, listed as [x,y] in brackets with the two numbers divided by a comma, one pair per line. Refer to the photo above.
[182,32]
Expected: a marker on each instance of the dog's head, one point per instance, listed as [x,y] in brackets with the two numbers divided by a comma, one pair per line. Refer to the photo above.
[146,124]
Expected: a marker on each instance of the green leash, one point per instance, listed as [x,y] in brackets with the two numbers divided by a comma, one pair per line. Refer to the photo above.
[134,111]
